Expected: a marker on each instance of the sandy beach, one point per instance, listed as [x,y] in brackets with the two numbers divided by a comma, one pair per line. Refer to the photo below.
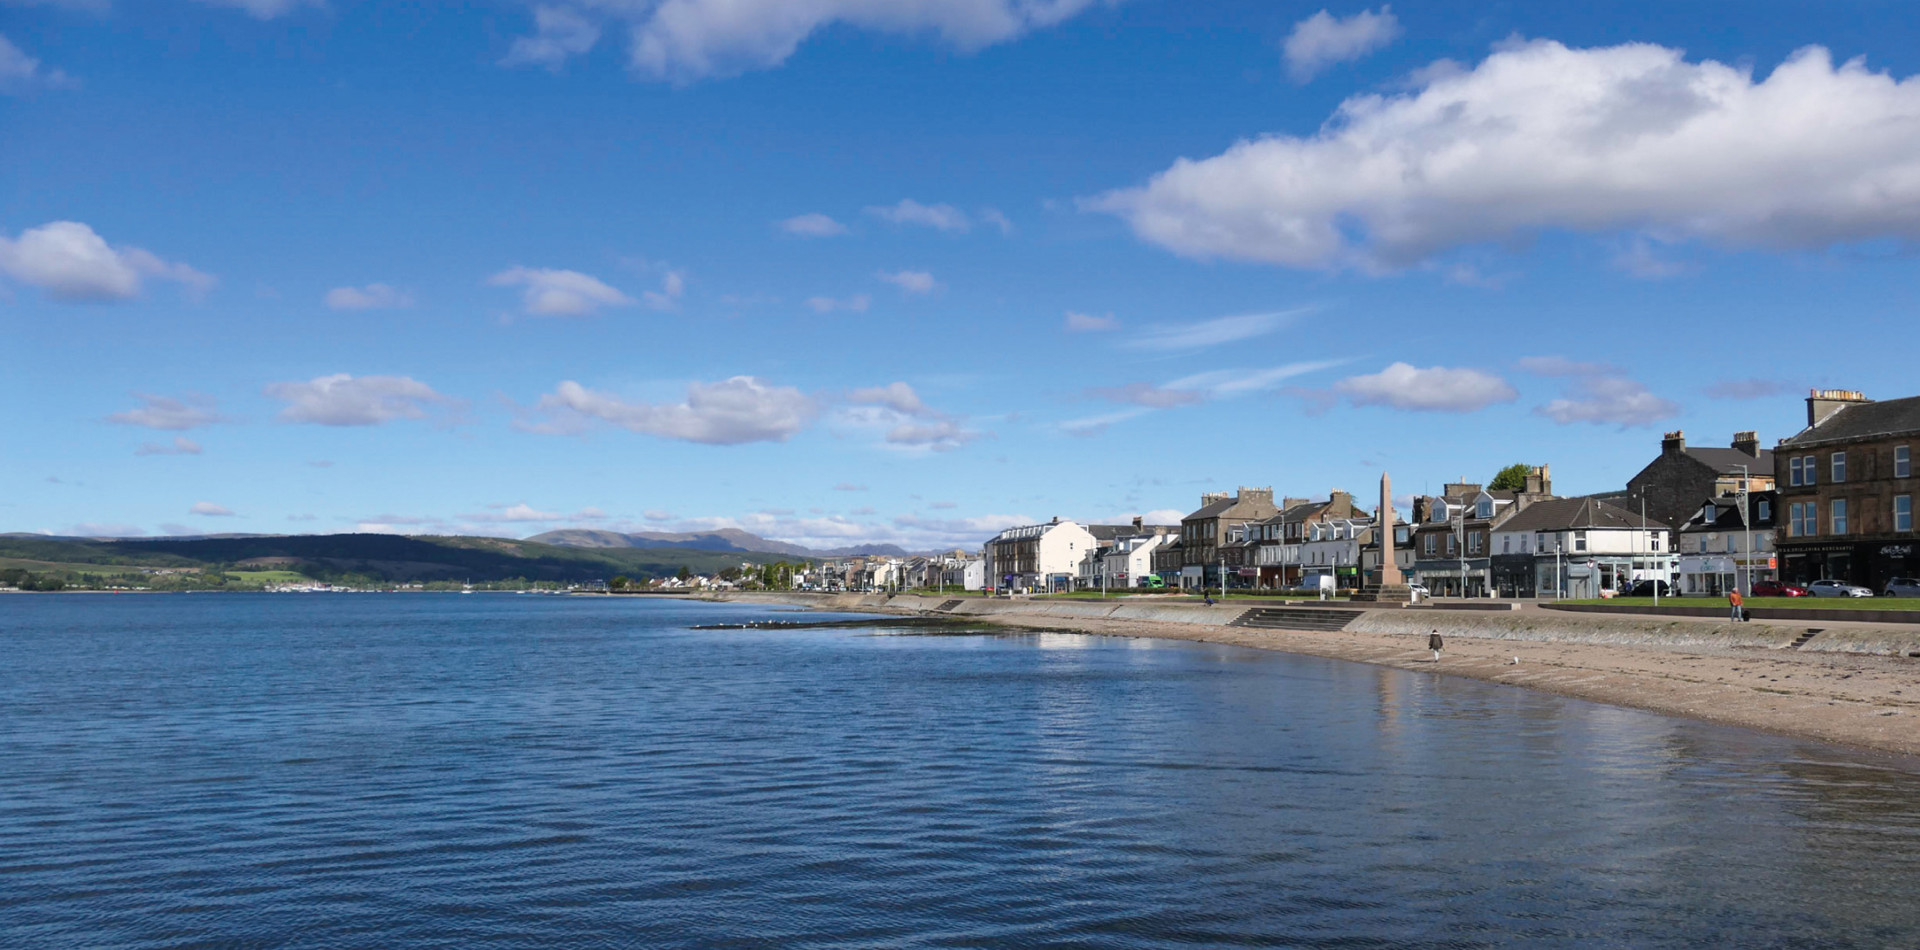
[1742,675]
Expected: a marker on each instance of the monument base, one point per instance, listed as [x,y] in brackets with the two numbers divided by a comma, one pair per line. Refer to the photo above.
[1384,594]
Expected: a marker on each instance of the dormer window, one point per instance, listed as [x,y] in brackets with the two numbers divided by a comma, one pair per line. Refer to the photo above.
[1483,508]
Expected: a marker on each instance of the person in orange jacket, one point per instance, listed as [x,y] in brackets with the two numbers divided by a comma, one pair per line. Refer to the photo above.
[1733,600]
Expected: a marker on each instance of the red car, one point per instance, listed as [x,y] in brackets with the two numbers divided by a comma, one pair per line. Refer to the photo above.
[1777,589]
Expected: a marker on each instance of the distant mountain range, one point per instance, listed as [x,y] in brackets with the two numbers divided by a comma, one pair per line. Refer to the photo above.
[729,539]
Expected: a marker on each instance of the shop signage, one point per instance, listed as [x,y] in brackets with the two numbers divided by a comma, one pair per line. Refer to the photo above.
[1897,550]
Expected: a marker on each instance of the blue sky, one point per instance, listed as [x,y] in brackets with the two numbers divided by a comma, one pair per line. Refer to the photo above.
[836,271]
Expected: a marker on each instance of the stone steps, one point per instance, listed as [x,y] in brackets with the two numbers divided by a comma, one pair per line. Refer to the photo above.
[1297,619]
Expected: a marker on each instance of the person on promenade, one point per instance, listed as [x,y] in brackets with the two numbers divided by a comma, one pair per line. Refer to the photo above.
[1733,600]
[1436,644]
[1208,594]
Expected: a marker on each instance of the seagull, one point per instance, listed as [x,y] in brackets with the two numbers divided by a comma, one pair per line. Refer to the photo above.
[1514,662]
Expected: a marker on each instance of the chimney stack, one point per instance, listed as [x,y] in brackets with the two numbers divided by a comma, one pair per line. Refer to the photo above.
[1673,442]
[1823,403]
[1748,443]
[1138,521]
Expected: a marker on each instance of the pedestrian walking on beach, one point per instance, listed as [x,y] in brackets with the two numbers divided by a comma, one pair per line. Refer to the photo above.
[1733,599]
[1436,644]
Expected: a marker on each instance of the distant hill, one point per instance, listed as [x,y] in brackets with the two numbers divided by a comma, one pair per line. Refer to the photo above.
[729,539]
[384,557]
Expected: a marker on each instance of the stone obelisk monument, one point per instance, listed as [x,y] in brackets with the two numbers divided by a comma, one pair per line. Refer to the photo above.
[1390,587]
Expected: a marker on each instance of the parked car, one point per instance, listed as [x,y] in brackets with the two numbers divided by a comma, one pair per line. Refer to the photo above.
[1903,587]
[1420,592]
[1777,589]
[1833,588]
[1646,589]
[1152,582]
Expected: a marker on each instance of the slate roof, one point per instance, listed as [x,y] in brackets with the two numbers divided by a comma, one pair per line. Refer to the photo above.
[1114,532]
[1214,510]
[1562,514]
[1729,461]
[1727,511]
[1863,420]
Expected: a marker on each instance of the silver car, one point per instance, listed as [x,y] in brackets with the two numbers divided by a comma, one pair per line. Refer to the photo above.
[1832,588]
[1903,587]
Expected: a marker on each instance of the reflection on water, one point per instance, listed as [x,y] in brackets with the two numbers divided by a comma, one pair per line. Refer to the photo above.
[494,771]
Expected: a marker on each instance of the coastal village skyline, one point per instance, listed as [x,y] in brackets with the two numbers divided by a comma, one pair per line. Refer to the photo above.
[266,267]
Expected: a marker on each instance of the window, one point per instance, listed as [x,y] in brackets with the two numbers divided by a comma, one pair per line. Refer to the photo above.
[1656,542]
[1579,540]
[1793,471]
[1764,511]
[1732,548]
[1902,461]
[1903,512]
[1429,543]
[1473,542]
[1839,466]
[1839,516]
[1803,519]
[1453,544]
[1703,544]
[1812,472]
[1484,509]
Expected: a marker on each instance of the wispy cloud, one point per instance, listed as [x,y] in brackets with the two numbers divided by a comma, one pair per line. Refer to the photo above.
[1214,332]
[813,225]
[1090,323]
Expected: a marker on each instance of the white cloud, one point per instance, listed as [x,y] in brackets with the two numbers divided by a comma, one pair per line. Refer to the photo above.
[1147,394]
[181,446]
[559,293]
[92,529]
[849,486]
[523,513]
[1206,333]
[909,423]
[673,286]
[897,396]
[939,217]
[20,72]
[1228,383]
[1609,400]
[939,435]
[266,9]
[857,303]
[1094,425]
[1090,323]
[1434,389]
[685,40]
[559,33]
[733,411]
[344,400]
[1561,366]
[370,297]
[813,225]
[994,217]
[1539,137]
[207,509]
[656,514]
[166,412]
[70,262]
[910,281]
[1322,40]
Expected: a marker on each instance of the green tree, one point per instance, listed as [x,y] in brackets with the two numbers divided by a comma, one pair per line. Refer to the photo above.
[685,574]
[619,582]
[1511,478]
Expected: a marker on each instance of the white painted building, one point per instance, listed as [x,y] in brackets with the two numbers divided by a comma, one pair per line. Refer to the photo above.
[1038,556]
[1581,546]
[1123,563]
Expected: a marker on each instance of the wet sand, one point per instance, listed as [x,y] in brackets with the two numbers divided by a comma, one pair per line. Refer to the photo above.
[1866,701]
[1749,678]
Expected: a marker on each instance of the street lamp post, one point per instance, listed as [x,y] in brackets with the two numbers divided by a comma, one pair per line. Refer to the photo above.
[1746,541]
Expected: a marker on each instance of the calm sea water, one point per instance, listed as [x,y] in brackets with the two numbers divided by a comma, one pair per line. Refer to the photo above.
[499,771]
